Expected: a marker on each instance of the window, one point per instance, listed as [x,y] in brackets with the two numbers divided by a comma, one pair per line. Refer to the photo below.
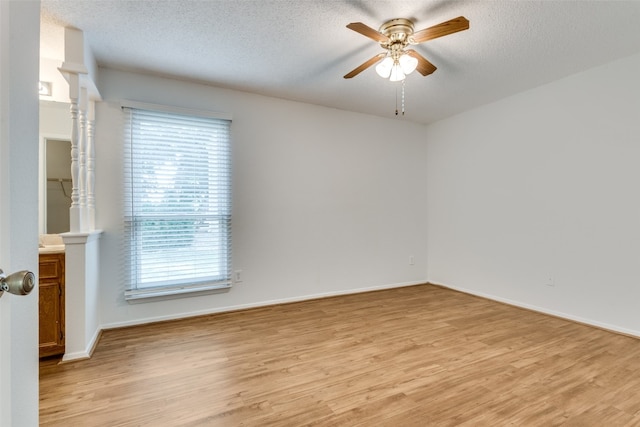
[177,203]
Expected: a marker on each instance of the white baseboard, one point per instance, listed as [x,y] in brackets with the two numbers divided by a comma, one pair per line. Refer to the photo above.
[578,319]
[114,325]
[86,353]
[78,355]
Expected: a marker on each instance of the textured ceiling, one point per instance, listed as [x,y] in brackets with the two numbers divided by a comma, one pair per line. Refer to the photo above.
[299,50]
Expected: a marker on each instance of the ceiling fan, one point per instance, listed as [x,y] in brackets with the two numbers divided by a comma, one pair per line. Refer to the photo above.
[394,36]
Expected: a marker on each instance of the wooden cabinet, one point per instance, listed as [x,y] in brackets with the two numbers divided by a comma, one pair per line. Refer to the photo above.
[51,301]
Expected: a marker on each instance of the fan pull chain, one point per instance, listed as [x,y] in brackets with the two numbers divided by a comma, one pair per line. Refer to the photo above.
[396,100]
[403,96]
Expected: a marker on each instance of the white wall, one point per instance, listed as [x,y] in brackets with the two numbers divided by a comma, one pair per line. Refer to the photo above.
[19,40]
[539,187]
[55,118]
[325,201]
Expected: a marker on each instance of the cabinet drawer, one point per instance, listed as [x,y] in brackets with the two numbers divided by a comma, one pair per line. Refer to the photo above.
[51,266]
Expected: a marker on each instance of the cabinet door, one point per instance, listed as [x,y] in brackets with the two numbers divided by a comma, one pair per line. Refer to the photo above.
[51,335]
[51,301]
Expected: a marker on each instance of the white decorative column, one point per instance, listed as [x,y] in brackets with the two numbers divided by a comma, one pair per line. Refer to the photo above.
[75,217]
[91,154]
[82,159]
[82,96]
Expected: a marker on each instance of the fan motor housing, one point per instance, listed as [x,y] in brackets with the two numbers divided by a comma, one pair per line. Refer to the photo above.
[398,30]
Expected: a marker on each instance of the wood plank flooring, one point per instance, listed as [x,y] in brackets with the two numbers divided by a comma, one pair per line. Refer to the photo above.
[416,356]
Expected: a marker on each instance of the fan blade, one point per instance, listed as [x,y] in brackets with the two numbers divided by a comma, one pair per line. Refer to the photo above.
[448,27]
[367,31]
[365,65]
[424,67]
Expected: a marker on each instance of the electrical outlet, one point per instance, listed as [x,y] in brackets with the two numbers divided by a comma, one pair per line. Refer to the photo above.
[550,281]
[412,261]
[238,276]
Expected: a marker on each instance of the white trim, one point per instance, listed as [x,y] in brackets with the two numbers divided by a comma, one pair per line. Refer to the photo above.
[177,110]
[73,67]
[80,238]
[114,325]
[78,355]
[578,319]
[86,353]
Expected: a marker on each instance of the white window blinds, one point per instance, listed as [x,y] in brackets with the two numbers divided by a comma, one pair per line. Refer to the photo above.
[177,203]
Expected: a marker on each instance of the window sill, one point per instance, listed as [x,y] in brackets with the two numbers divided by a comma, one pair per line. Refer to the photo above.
[137,296]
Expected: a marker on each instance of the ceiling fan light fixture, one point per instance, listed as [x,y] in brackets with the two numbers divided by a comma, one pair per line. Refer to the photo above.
[396,69]
[408,63]
[384,67]
[397,74]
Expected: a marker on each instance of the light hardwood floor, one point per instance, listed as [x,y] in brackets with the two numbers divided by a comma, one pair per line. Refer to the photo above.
[416,356]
